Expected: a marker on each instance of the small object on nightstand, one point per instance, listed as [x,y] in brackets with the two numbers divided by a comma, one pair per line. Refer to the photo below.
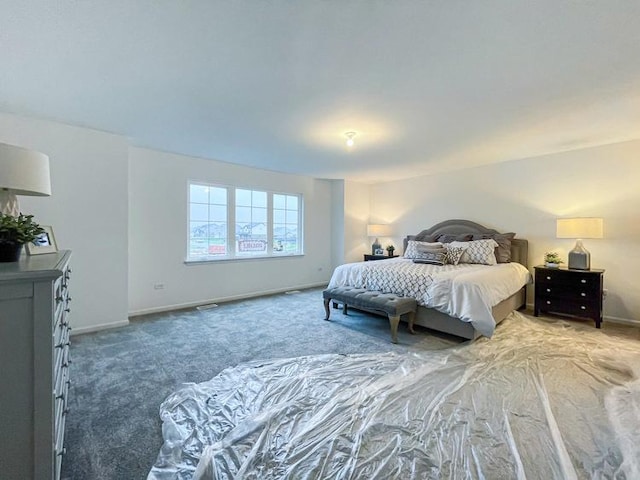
[569,292]
[370,258]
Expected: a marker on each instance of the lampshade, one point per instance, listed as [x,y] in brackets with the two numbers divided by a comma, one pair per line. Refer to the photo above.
[22,172]
[377,230]
[579,228]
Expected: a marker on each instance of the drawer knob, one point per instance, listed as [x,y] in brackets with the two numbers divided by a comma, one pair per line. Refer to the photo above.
[67,310]
[548,278]
[583,294]
[583,281]
[59,298]
[548,302]
[60,397]
[60,345]
[548,290]
[583,307]
[62,452]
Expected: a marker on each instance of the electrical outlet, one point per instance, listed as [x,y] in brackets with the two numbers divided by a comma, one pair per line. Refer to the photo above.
[158,286]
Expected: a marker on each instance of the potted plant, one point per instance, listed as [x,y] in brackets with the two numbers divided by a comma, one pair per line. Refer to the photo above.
[552,260]
[390,250]
[14,233]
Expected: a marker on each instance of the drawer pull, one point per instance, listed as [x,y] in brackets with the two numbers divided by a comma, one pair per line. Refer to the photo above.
[548,290]
[583,281]
[583,294]
[59,298]
[67,310]
[60,345]
[548,278]
[583,307]
[60,397]
[62,452]
[548,302]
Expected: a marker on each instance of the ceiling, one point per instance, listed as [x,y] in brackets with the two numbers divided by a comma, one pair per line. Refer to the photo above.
[428,86]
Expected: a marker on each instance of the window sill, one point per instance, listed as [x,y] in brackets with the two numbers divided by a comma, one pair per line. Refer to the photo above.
[242,259]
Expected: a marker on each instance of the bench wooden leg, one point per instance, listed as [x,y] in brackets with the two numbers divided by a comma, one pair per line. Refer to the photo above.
[326,308]
[412,317]
[393,322]
[335,304]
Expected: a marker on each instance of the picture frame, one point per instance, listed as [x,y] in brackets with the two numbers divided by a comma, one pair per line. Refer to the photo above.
[45,243]
[378,251]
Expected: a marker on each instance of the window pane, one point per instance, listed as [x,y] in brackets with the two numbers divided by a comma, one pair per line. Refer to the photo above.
[218,195]
[198,193]
[243,214]
[218,213]
[279,216]
[279,201]
[243,197]
[198,212]
[292,216]
[259,199]
[292,202]
[259,215]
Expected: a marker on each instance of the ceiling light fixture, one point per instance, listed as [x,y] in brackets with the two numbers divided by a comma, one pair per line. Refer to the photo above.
[350,136]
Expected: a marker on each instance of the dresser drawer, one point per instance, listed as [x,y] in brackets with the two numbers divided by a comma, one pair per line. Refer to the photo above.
[568,292]
[586,281]
[587,309]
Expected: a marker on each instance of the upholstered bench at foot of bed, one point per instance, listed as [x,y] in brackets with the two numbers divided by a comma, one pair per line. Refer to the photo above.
[392,305]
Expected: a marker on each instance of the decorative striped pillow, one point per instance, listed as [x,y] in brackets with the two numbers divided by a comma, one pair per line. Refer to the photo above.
[412,248]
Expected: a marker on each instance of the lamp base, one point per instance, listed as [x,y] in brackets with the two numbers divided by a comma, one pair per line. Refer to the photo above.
[579,257]
[376,247]
[9,203]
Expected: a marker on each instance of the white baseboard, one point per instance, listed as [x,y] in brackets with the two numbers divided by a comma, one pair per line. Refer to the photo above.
[260,293]
[607,318]
[97,328]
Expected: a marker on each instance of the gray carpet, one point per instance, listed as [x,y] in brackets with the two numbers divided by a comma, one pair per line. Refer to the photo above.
[120,377]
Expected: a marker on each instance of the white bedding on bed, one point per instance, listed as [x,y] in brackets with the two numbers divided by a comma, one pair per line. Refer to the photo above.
[465,291]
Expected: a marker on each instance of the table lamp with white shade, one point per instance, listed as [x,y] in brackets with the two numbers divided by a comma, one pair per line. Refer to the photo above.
[377,230]
[22,172]
[579,228]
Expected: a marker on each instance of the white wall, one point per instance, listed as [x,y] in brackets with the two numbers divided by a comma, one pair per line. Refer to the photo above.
[87,209]
[337,223]
[356,218]
[158,234]
[526,196]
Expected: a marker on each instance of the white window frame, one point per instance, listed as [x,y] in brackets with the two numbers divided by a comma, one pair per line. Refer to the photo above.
[231,225]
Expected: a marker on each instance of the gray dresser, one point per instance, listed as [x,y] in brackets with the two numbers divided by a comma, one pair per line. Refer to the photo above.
[34,365]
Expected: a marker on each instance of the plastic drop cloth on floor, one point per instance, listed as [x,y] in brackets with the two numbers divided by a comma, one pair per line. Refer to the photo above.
[538,400]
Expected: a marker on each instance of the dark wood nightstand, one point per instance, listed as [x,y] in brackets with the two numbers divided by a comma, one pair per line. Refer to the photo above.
[371,258]
[569,292]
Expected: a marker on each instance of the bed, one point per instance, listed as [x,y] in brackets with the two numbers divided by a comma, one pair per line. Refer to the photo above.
[467,313]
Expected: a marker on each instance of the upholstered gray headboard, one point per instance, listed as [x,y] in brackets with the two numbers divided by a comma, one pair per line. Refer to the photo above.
[519,246]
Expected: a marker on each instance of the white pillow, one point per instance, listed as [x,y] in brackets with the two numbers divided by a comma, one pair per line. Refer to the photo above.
[412,248]
[478,251]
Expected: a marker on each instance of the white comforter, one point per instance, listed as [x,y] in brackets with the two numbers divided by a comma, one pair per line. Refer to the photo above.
[465,291]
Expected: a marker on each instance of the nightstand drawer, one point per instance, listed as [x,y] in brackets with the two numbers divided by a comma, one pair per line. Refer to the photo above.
[570,307]
[578,294]
[586,281]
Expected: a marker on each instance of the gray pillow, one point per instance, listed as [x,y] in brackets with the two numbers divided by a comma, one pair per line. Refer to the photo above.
[503,250]
[459,237]
[417,238]
[432,258]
